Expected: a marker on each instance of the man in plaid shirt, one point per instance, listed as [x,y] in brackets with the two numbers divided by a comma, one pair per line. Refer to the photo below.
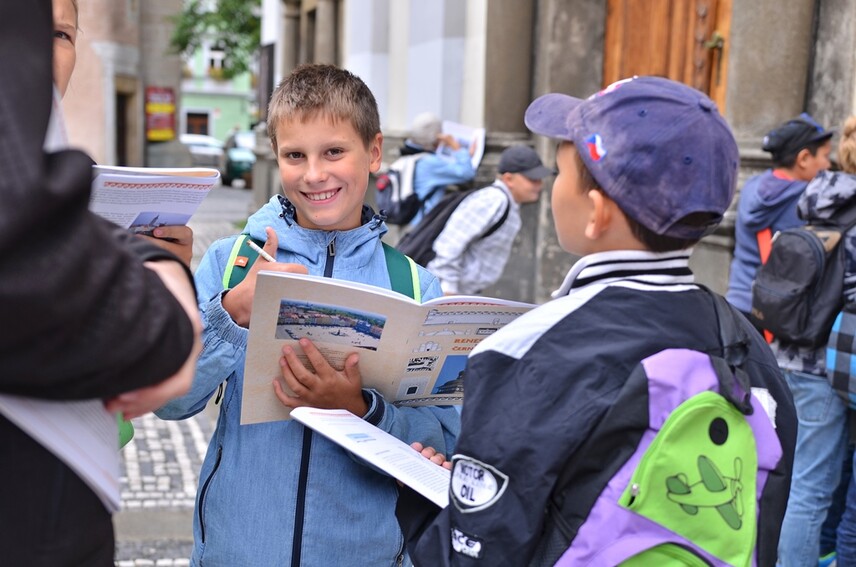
[468,258]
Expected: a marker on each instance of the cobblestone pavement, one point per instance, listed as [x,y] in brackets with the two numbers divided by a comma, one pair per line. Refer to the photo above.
[161,463]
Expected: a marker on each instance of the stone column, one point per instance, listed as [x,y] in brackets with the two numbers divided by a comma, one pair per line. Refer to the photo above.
[290,35]
[325,32]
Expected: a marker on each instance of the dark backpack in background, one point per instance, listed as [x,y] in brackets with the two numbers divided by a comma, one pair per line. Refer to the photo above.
[419,242]
[798,292]
[394,192]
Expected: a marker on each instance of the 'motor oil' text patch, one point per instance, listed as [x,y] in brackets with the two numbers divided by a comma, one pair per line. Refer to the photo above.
[475,485]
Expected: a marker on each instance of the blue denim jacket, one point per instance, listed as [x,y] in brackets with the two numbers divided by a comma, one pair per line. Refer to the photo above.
[275,493]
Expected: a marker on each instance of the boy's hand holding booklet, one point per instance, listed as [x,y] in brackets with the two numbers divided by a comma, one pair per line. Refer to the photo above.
[143,198]
[413,354]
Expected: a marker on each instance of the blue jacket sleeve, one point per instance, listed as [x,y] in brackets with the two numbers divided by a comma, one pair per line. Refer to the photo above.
[434,170]
[224,342]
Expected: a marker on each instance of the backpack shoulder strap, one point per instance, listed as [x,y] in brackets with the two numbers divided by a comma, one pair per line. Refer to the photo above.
[241,259]
[734,382]
[765,242]
[403,273]
[501,220]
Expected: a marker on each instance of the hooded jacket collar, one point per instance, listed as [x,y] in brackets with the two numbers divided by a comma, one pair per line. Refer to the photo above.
[826,195]
[310,245]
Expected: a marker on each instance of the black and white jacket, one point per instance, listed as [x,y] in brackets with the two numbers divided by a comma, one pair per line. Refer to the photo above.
[536,390]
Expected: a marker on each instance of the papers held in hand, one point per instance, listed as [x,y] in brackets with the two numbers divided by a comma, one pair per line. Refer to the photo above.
[379,448]
[143,198]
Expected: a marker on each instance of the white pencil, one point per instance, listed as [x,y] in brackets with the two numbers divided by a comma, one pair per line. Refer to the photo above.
[261,251]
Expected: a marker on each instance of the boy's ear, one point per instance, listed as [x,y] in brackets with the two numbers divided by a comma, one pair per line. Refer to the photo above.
[802,158]
[507,178]
[376,153]
[601,215]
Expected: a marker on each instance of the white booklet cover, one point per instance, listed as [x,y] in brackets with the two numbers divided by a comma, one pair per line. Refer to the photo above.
[380,449]
[143,198]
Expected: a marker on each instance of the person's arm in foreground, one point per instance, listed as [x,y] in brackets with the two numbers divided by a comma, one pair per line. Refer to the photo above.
[82,316]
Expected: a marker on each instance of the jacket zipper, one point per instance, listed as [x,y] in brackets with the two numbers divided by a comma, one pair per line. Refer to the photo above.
[300,505]
[303,479]
[204,491]
[331,256]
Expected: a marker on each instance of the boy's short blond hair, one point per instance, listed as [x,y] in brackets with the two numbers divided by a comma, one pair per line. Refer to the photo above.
[847,146]
[314,90]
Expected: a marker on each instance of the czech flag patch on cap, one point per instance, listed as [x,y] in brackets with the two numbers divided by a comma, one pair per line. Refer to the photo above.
[595,147]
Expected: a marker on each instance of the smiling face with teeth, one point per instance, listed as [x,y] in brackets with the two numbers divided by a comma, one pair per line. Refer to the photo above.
[324,166]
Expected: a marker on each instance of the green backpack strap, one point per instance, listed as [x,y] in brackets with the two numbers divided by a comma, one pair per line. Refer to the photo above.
[403,273]
[240,261]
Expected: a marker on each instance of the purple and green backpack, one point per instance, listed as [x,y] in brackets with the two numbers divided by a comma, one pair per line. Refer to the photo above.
[674,472]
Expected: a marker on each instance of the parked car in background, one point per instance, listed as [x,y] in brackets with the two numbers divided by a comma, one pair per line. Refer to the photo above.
[240,158]
[205,151]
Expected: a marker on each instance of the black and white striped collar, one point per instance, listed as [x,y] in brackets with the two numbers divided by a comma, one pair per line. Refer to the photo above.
[659,269]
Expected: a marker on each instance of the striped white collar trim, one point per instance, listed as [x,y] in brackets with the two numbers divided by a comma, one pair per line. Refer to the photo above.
[650,268]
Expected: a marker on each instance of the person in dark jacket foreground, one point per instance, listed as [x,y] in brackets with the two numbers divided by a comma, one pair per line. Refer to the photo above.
[87,310]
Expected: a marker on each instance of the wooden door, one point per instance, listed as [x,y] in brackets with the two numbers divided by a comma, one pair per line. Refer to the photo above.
[684,40]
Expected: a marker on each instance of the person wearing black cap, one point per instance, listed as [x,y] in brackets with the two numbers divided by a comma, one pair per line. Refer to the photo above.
[475,245]
[800,149]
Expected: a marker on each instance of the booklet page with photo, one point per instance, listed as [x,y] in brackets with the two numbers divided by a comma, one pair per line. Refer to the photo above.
[413,354]
[144,198]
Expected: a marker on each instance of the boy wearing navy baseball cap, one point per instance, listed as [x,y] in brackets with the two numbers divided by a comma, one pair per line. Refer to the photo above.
[646,168]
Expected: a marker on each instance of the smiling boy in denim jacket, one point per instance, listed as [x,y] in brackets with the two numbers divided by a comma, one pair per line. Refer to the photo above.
[275,493]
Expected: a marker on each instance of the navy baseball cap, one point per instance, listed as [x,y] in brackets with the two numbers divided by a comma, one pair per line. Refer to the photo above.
[523,160]
[658,148]
[790,138]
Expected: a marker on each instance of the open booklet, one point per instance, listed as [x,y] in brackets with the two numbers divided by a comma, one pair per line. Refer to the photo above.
[413,354]
[471,138]
[143,198]
[379,448]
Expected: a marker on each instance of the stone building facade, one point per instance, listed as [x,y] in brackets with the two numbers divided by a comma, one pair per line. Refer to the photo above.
[123,47]
[480,62]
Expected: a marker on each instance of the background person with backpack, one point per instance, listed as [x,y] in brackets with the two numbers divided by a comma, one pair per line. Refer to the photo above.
[473,247]
[800,149]
[557,403]
[434,172]
[822,439]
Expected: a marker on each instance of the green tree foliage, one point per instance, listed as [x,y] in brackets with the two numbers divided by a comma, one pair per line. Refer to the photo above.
[232,25]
